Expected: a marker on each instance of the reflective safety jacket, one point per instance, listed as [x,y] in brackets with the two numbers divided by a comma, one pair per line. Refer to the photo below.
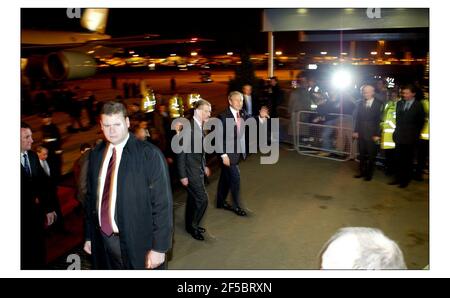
[425,134]
[388,125]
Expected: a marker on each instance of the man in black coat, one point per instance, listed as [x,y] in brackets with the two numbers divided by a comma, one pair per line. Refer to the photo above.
[35,207]
[192,170]
[410,118]
[129,199]
[368,131]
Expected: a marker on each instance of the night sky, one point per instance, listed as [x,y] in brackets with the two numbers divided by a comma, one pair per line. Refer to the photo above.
[233,29]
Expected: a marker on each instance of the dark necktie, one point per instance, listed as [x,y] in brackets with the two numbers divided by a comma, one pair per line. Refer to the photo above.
[406,106]
[26,164]
[105,218]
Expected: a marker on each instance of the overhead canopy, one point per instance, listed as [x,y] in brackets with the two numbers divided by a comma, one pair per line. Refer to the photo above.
[314,19]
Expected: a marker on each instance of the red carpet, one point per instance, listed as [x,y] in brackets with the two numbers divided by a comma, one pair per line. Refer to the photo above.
[60,243]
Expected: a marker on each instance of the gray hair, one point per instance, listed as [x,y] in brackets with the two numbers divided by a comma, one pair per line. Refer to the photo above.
[200,103]
[361,248]
[233,93]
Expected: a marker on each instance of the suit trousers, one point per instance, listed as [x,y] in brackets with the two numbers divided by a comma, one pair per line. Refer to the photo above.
[230,179]
[367,155]
[113,253]
[405,157]
[197,201]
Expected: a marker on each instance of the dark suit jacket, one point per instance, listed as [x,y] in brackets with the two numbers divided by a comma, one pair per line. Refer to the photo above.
[192,165]
[233,153]
[143,206]
[32,214]
[409,123]
[33,188]
[367,123]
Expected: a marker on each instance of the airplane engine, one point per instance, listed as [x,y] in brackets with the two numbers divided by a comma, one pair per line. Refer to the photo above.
[67,65]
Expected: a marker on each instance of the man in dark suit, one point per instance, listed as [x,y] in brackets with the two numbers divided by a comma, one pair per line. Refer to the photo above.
[410,118]
[51,185]
[35,208]
[230,178]
[192,170]
[368,131]
[251,104]
[129,199]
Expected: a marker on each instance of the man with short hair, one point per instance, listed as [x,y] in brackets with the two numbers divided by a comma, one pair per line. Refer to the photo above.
[129,198]
[36,210]
[51,184]
[192,170]
[410,118]
[361,248]
[251,104]
[367,131]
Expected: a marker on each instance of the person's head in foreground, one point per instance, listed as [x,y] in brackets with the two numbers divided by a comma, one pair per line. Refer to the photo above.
[361,248]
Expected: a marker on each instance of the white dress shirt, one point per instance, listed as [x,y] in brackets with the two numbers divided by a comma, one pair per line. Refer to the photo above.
[234,112]
[44,165]
[369,103]
[104,170]
[248,103]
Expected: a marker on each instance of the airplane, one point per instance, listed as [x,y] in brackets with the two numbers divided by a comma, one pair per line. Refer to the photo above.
[60,55]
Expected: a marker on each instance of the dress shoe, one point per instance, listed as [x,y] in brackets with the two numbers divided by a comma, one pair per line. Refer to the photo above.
[201,230]
[358,176]
[367,178]
[226,206]
[240,212]
[197,236]
[394,182]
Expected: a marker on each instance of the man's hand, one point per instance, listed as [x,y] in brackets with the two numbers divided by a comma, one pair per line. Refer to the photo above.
[207,172]
[154,259]
[355,135]
[87,247]
[184,181]
[51,218]
[226,160]
[376,138]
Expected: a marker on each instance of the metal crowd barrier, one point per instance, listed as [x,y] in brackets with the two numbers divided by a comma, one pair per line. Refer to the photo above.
[330,139]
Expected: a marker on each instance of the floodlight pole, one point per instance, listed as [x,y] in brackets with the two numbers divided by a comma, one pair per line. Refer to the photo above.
[270,59]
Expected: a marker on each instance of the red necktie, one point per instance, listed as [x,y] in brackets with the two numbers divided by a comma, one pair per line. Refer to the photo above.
[238,122]
[105,218]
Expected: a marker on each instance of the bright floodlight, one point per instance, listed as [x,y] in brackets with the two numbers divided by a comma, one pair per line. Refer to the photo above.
[341,79]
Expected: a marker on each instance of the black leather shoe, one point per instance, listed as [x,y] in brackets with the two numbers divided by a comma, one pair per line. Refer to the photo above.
[394,182]
[197,236]
[367,178]
[358,176]
[226,206]
[201,230]
[240,212]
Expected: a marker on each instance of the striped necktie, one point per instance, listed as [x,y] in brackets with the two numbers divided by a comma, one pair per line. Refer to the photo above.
[105,218]
[26,164]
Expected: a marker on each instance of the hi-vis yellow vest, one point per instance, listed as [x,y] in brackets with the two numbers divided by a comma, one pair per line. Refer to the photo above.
[425,134]
[388,125]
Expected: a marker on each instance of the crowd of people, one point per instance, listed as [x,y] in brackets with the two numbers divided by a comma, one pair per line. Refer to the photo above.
[390,126]
[128,209]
